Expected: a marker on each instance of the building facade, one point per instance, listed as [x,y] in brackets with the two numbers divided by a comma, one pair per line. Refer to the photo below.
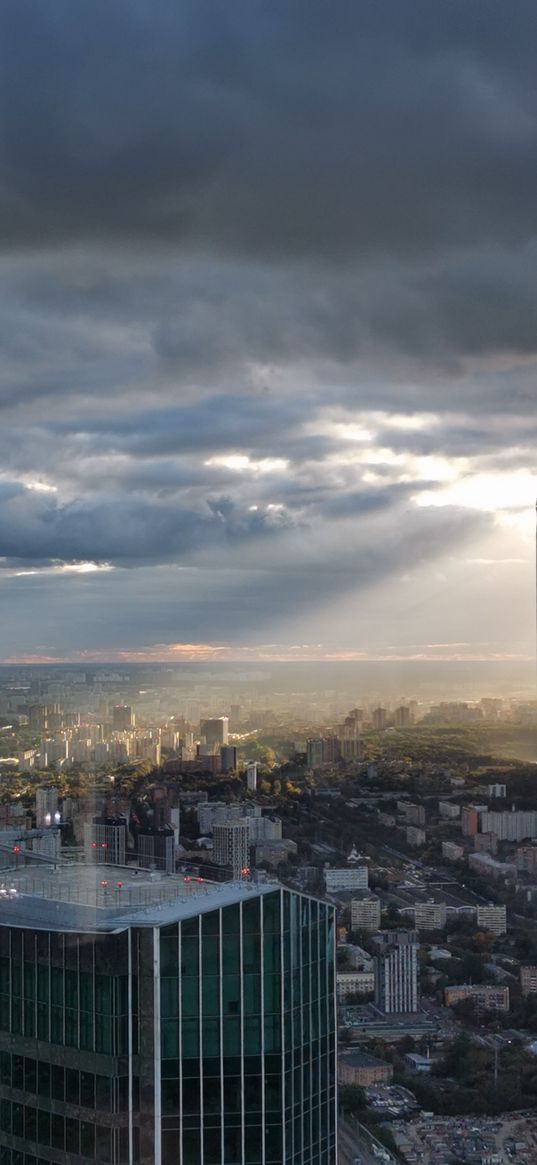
[200,1032]
[396,977]
[231,846]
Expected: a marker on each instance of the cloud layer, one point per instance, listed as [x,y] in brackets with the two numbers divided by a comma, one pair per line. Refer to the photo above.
[267,310]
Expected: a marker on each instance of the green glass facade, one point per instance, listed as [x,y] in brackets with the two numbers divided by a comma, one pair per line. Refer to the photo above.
[248,1034]
[209,1040]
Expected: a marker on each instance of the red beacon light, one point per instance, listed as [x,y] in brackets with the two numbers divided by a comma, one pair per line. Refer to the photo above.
[200,879]
[186,878]
[94,845]
[119,885]
[104,845]
[16,849]
[245,871]
[104,884]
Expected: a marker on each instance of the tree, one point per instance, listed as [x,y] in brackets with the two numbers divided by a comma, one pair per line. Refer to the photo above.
[352,1099]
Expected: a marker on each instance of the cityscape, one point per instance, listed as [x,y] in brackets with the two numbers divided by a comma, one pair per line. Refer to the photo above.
[268,547]
[221,904]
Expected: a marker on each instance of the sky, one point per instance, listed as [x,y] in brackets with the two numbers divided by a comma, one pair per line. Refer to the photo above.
[268,315]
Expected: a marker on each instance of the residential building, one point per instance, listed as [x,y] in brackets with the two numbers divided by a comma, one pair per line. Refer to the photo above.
[430,915]
[452,852]
[490,998]
[123,718]
[469,820]
[228,758]
[449,810]
[528,979]
[354,983]
[365,913]
[515,825]
[161,1033]
[396,977]
[497,790]
[485,843]
[493,918]
[413,814]
[525,858]
[231,846]
[488,867]
[415,836]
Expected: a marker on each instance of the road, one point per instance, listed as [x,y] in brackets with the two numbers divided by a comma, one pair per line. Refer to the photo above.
[355,1146]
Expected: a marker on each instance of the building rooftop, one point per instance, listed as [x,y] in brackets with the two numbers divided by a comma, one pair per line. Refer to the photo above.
[111,898]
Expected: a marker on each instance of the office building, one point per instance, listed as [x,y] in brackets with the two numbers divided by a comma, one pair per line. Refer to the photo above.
[396,972]
[137,1029]
[493,918]
[365,913]
[105,840]
[231,846]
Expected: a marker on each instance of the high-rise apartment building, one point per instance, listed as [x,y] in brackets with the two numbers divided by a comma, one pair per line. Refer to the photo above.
[396,972]
[156,848]
[231,846]
[141,1031]
[123,717]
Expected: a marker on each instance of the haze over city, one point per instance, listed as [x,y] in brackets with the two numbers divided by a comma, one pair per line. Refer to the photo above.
[268,323]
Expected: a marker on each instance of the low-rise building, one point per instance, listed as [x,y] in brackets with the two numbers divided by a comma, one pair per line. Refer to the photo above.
[452,852]
[345,878]
[415,836]
[360,1069]
[490,998]
[354,983]
[488,867]
[448,810]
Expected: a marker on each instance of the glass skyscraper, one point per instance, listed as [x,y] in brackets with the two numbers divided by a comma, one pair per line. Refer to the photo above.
[146,1028]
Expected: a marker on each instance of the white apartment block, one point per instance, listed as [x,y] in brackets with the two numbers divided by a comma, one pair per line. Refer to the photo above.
[448,810]
[430,915]
[365,913]
[493,918]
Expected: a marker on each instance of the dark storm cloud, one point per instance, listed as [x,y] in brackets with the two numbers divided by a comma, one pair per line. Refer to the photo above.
[303,127]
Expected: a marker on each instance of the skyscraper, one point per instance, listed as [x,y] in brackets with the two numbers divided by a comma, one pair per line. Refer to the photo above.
[215,731]
[142,1028]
